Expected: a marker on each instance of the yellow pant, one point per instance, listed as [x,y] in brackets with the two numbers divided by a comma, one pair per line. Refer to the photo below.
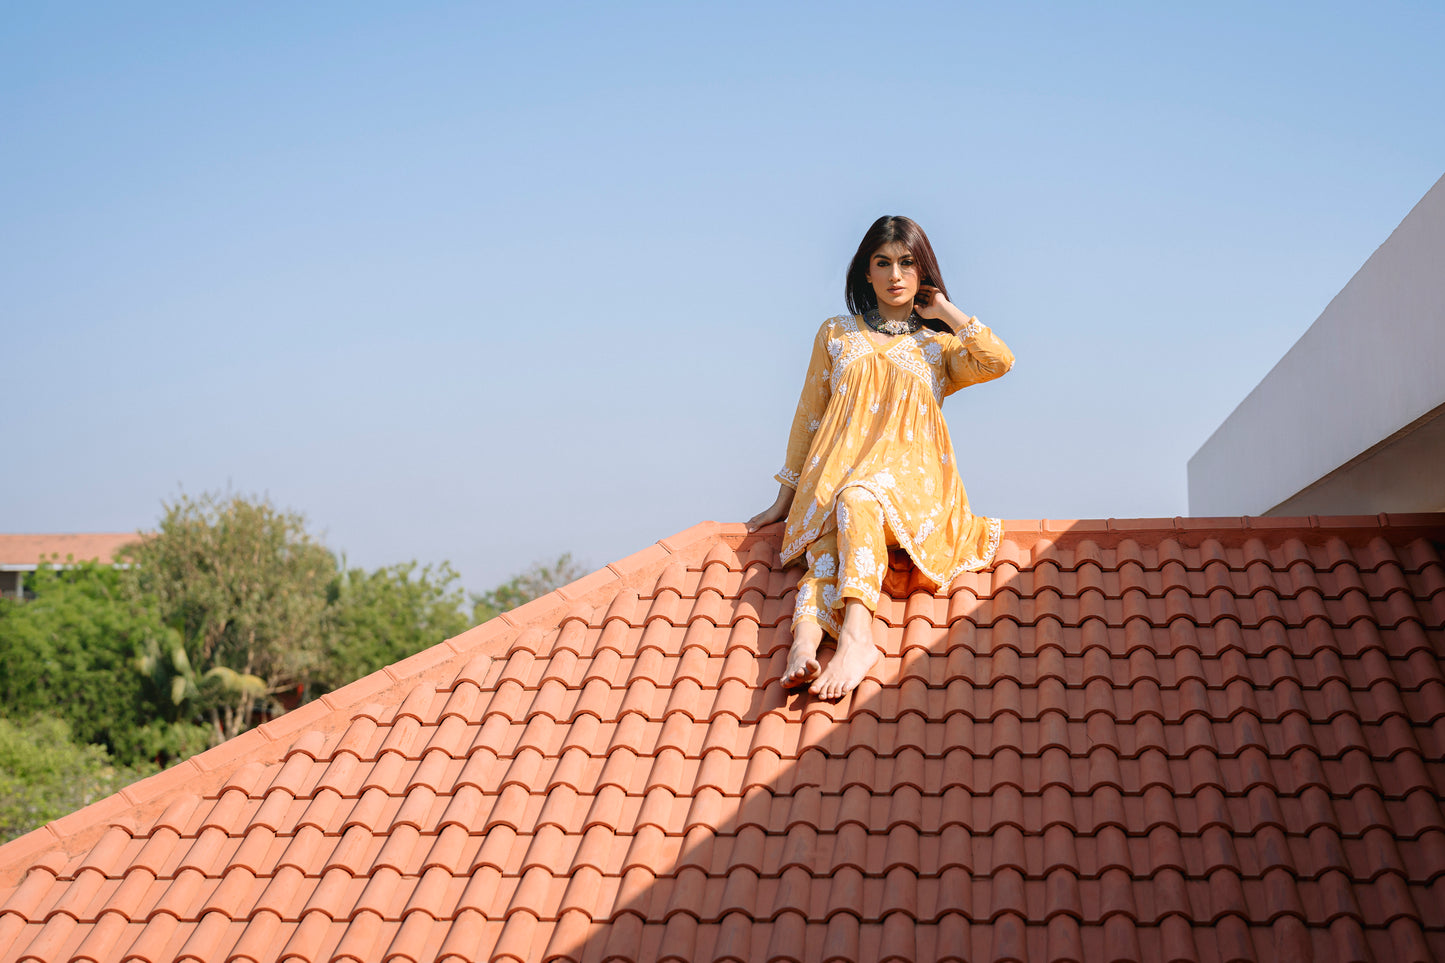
[848,562]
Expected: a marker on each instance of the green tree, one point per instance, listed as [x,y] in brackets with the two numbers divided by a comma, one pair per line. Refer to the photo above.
[536,581]
[381,617]
[179,696]
[244,585]
[70,651]
[44,774]
[228,605]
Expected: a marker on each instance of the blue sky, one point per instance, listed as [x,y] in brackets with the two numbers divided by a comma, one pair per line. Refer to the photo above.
[486,284]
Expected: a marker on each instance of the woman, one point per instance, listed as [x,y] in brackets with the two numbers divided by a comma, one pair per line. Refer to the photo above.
[870,464]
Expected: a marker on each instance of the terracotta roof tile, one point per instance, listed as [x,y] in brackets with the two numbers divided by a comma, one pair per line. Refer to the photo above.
[27,551]
[1143,739]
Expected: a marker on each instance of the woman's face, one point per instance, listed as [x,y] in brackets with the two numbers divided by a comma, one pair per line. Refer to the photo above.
[894,275]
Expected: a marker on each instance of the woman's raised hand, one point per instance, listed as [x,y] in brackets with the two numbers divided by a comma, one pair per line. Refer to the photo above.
[935,307]
[774,513]
[931,303]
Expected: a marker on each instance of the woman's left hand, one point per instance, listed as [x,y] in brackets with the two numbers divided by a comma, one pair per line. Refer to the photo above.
[931,303]
[935,307]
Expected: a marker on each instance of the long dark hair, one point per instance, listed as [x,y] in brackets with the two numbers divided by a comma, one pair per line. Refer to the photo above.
[890,228]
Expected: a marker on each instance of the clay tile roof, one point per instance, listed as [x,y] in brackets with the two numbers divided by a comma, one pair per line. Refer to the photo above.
[1186,739]
[28,551]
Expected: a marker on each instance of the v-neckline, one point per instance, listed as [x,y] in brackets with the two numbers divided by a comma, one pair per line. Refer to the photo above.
[861,329]
[880,347]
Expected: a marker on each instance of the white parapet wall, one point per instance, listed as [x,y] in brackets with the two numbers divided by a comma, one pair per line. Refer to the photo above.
[1352,419]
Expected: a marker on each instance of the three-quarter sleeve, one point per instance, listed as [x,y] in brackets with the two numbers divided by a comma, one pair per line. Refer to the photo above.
[975,354]
[817,389]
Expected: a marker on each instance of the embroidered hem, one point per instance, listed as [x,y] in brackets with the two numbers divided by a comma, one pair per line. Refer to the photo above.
[863,591]
[810,611]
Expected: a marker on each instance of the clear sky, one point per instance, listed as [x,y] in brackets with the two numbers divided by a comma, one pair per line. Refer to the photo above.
[486,282]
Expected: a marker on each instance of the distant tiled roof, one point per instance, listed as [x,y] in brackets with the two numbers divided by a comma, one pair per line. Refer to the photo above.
[1139,740]
[28,551]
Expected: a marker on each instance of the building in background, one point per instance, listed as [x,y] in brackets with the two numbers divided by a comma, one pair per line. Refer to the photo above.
[20,554]
[1350,420]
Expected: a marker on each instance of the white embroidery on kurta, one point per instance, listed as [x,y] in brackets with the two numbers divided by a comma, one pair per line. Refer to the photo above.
[908,355]
[911,544]
[995,534]
[862,589]
[806,608]
[856,345]
[968,330]
[863,562]
[802,541]
[804,611]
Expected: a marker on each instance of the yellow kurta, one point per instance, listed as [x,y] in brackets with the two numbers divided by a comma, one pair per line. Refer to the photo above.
[871,415]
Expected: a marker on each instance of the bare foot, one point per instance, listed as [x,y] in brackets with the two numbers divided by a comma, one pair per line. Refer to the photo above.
[803,663]
[855,656]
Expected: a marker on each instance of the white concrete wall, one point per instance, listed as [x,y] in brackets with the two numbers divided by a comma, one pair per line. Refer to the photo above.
[1370,366]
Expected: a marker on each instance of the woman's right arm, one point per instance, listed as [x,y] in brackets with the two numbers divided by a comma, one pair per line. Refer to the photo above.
[812,402]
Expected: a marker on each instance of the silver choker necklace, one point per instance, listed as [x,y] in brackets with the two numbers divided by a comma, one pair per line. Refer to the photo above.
[875,320]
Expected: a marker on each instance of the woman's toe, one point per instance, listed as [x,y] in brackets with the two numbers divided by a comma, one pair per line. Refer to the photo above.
[801,672]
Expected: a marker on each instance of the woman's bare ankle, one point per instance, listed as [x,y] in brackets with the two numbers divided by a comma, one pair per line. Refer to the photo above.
[856,654]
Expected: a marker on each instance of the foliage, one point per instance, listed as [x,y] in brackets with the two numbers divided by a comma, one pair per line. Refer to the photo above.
[244,585]
[384,616]
[106,673]
[44,775]
[70,651]
[178,696]
[537,581]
